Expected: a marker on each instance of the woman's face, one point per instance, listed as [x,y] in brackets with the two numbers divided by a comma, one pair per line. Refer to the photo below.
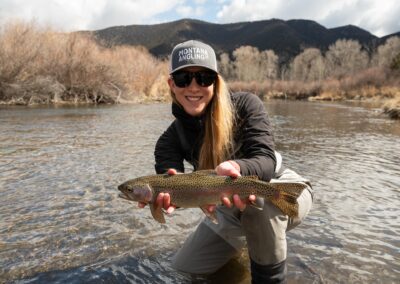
[193,98]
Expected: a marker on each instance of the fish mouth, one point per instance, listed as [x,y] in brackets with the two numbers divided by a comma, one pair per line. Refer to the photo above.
[123,196]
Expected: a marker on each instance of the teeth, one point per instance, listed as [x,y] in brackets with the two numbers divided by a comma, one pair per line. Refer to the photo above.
[193,99]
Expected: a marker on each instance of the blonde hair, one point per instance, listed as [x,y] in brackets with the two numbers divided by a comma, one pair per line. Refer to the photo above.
[218,127]
[218,134]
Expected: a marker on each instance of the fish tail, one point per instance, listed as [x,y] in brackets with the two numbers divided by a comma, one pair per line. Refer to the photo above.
[286,199]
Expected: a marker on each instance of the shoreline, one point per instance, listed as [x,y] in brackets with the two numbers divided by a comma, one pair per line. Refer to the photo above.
[388,106]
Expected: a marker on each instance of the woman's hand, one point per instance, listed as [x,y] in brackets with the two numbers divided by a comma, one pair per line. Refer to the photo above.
[232,169]
[163,200]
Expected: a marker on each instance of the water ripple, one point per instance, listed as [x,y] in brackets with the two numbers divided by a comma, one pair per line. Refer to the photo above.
[61,219]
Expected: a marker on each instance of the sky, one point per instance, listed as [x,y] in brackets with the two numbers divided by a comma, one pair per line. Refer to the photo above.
[380,17]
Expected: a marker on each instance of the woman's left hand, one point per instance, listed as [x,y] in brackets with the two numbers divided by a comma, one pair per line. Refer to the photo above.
[232,169]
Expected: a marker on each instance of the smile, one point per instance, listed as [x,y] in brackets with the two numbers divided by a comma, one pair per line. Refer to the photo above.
[193,99]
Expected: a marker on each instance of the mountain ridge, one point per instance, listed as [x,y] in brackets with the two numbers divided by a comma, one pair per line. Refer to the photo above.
[286,38]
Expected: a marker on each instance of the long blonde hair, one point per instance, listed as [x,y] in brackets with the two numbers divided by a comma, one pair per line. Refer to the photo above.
[218,127]
[218,134]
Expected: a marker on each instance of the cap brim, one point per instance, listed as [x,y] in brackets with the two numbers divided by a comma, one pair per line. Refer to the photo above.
[191,65]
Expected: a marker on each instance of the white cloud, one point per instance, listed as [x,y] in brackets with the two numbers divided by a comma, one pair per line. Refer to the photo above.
[378,17]
[87,14]
[190,12]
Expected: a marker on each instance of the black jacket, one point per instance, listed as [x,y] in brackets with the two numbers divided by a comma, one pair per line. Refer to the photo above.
[253,139]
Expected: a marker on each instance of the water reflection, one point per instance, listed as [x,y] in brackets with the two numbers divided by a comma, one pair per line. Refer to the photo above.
[61,219]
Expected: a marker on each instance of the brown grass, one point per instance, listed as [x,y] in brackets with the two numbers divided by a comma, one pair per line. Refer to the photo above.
[42,66]
[373,84]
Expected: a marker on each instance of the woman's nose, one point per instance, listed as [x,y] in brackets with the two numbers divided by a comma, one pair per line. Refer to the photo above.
[193,84]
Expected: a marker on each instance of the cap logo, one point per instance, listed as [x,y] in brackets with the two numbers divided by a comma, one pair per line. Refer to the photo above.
[193,53]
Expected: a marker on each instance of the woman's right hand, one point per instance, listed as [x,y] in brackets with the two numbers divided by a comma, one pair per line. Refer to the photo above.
[232,169]
[163,200]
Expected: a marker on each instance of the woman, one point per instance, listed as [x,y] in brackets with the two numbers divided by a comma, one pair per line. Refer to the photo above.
[230,133]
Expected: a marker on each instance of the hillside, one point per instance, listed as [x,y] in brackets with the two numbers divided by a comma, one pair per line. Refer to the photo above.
[286,38]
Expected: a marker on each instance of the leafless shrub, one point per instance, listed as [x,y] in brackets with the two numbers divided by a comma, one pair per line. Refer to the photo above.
[345,57]
[308,66]
[385,53]
[252,65]
[87,72]
[20,47]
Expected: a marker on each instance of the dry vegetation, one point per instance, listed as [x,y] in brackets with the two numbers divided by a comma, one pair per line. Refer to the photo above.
[345,72]
[41,66]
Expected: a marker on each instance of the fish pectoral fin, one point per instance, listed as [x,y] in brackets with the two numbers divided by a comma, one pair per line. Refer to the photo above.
[205,172]
[252,177]
[211,215]
[157,213]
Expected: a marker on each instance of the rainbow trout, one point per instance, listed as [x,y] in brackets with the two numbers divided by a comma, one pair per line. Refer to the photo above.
[202,188]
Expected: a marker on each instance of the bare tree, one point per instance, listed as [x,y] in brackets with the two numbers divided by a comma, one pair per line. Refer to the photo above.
[268,64]
[308,65]
[395,65]
[246,60]
[20,45]
[252,65]
[345,57]
[387,52]
[226,66]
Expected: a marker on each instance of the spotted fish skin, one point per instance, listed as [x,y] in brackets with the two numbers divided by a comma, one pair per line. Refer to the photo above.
[201,188]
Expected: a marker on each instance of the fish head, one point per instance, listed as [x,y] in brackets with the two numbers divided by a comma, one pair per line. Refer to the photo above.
[136,191]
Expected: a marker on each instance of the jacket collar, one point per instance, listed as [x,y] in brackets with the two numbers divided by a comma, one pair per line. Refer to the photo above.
[187,120]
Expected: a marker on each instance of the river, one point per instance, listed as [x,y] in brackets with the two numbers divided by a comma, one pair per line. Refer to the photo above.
[61,220]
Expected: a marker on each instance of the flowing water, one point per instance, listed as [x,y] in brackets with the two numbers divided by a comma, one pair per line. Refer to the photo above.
[61,220]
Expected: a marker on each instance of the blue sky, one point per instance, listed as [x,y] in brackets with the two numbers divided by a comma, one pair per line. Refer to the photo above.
[380,17]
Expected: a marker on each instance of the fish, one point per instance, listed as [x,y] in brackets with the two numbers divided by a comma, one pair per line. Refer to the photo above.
[205,187]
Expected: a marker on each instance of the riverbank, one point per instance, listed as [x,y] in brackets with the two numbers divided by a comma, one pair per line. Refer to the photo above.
[385,97]
[40,66]
[47,92]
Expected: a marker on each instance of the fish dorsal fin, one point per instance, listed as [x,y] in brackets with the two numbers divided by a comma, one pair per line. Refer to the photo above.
[205,172]
[252,177]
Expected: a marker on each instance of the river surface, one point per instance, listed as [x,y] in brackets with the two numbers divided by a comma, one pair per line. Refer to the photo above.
[61,220]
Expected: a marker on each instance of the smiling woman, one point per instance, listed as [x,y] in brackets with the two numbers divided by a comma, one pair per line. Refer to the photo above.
[231,134]
[193,95]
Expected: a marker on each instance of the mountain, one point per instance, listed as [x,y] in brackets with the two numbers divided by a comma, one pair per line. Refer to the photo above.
[286,38]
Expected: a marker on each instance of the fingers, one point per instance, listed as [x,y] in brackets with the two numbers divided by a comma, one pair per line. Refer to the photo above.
[252,198]
[172,172]
[163,200]
[238,202]
[159,200]
[166,200]
[226,202]
[211,208]
[242,204]
[168,207]
[228,168]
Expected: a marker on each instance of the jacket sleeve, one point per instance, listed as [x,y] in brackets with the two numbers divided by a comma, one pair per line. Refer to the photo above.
[168,152]
[256,139]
